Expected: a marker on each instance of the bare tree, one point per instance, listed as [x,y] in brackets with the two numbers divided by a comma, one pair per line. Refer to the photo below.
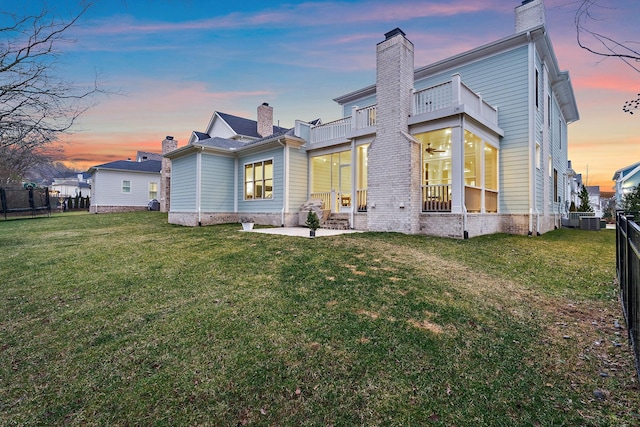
[37,106]
[605,46]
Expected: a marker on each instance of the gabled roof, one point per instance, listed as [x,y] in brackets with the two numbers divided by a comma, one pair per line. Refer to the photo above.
[233,146]
[128,165]
[201,135]
[244,127]
[625,171]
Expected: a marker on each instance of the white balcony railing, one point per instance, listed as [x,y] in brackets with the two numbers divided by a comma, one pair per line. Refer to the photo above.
[427,100]
[364,117]
[331,130]
[433,98]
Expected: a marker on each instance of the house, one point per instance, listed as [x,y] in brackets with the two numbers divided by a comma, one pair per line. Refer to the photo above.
[124,185]
[594,199]
[470,145]
[72,185]
[626,179]
[143,156]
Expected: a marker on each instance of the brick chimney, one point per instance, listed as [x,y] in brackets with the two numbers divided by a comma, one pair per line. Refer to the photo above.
[169,144]
[530,14]
[394,162]
[265,120]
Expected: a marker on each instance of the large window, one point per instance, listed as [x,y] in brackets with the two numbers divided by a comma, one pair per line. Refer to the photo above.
[436,170]
[258,180]
[153,190]
[479,167]
[331,178]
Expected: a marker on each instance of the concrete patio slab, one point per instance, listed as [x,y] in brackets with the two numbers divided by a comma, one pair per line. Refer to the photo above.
[300,231]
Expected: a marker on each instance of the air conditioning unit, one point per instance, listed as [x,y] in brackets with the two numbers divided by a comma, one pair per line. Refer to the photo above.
[591,223]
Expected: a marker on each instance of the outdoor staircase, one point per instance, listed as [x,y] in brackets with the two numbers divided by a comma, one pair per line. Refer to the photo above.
[336,222]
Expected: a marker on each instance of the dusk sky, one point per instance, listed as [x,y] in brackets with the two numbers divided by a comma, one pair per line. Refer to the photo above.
[174,62]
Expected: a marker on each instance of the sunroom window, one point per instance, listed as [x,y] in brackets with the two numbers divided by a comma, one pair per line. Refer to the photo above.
[436,170]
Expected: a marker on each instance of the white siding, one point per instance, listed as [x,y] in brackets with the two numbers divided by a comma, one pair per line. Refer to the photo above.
[298,177]
[107,187]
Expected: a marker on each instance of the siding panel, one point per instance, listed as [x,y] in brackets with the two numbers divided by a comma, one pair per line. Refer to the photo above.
[217,183]
[183,184]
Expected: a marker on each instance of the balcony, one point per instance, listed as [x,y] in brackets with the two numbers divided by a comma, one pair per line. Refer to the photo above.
[426,104]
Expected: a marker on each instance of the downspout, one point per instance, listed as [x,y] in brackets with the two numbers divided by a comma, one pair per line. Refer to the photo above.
[532,111]
[354,189]
[285,184]
[235,184]
[198,185]
[465,232]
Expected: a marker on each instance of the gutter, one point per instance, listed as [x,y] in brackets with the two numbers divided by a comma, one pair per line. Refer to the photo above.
[198,185]
[354,187]
[532,136]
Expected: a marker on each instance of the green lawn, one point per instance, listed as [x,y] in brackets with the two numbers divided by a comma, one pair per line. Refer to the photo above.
[124,319]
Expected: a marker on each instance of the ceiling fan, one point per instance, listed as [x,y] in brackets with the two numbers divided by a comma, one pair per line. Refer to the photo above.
[432,150]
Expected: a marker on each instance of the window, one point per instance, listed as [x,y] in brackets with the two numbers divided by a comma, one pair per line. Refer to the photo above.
[153,190]
[555,185]
[538,154]
[331,178]
[126,187]
[560,132]
[537,87]
[258,180]
[549,110]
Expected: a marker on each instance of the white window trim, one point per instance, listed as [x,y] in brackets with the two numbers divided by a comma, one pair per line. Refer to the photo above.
[122,186]
[244,180]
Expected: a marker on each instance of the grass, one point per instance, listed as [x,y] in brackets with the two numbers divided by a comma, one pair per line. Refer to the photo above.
[124,319]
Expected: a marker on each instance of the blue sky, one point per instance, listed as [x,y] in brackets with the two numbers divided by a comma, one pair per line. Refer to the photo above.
[174,62]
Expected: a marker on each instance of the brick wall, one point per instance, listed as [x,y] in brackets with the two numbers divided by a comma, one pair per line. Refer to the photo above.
[169,144]
[393,181]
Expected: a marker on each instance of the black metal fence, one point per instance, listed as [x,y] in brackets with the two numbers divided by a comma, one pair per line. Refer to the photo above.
[628,269]
[24,201]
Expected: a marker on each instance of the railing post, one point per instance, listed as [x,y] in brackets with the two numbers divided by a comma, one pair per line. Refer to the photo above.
[354,117]
[455,89]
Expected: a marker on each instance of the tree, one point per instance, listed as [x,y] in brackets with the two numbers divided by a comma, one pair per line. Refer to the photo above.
[584,200]
[631,200]
[36,105]
[605,46]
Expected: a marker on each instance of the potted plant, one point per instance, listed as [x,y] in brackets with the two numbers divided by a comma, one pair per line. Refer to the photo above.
[247,223]
[313,223]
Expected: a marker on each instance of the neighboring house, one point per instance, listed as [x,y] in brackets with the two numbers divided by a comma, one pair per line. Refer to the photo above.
[626,179]
[124,185]
[594,199]
[423,151]
[72,185]
[143,156]
[573,183]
